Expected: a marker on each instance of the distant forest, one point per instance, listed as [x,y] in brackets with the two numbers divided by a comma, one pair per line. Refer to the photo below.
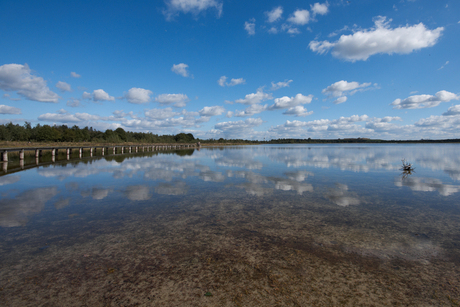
[62,133]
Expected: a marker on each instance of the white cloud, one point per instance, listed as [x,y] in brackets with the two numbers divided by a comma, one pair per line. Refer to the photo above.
[67,117]
[300,17]
[274,14]
[212,111]
[8,96]
[454,110]
[86,95]
[340,100]
[17,77]
[241,125]
[75,75]
[9,110]
[250,26]
[138,95]
[273,30]
[379,39]
[288,28]
[281,84]
[195,7]
[289,102]
[222,80]
[298,111]
[251,110]
[424,101]
[320,9]
[180,69]
[101,95]
[73,102]
[233,82]
[178,100]
[343,87]
[160,113]
[254,98]
[447,62]
[63,86]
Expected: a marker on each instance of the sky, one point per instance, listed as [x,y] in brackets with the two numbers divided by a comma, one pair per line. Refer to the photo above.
[235,69]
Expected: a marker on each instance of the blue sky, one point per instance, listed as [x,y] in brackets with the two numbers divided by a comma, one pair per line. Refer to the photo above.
[234,69]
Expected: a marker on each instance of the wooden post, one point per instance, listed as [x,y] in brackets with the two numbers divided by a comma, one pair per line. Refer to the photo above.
[53,152]
[102,150]
[67,151]
[91,151]
[122,149]
[21,154]
[37,153]
[5,157]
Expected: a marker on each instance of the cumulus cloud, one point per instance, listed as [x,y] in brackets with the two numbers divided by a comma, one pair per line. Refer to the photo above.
[63,86]
[298,111]
[300,17]
[239,126]
[360,45]
[424,101]
[73,102]
[180,69]
[254,98]
[281,84]
[212,111]
[194,7]
[74,75]
[289,102]
[320,9]
[251,110]
[343,126]
[138,95]
[340,100]
[274,14]
[160,113]
[222,81]
[177,100]
[65,117]
[9,110]
[101,95]
[19,78]
[454,110]
[250,26]
[86,95]
[343,87]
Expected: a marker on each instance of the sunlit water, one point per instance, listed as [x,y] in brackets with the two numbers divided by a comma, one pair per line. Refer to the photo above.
[301,225]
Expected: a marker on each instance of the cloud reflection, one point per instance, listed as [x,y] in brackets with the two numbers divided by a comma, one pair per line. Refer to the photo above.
[341,197]
[15,212]
[427,185]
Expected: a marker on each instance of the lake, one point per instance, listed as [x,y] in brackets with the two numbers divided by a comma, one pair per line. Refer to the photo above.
[275,225]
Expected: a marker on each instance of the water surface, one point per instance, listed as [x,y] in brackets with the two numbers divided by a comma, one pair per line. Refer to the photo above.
[320,225]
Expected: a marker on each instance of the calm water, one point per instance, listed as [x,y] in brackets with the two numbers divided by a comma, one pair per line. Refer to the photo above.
[319,225]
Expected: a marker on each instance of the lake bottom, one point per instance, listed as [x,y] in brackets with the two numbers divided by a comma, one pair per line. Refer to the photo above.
[230,248]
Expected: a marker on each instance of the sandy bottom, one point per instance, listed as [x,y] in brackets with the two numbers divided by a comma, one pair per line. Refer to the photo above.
[240,250]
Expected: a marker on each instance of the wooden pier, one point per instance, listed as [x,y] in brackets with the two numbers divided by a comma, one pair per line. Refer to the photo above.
[103,150]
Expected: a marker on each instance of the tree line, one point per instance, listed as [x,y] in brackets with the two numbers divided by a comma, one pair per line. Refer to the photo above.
[63,133]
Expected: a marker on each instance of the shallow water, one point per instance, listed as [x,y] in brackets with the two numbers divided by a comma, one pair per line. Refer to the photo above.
[319,225]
